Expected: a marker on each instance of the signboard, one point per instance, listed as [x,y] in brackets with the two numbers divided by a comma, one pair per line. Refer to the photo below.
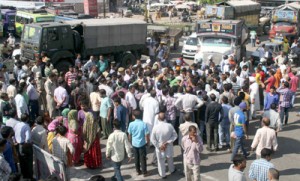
[214,11]
[47,164]
[91,7]
[215,27]
[285,15]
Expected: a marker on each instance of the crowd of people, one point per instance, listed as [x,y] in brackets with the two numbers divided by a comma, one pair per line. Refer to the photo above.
[142,106]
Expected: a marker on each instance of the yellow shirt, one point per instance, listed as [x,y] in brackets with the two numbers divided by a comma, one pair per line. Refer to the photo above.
[286,47]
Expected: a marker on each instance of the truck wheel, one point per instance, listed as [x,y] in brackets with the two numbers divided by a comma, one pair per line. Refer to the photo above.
[63,65]
[128,59]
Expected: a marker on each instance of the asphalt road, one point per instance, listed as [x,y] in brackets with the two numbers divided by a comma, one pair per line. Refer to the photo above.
[214,166]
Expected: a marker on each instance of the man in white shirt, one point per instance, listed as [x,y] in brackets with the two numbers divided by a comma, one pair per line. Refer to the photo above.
[151,108]
[89,64]
[130,97]
[274,117]
[116,145]
[11,90]
[236,170]
[20,101]
[103,85]
[187,103]
[265,137]
[162,137]
[261,51]
[61,96]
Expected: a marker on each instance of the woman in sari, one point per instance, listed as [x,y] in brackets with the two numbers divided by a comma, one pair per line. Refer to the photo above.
[75,135]
[91,131]
[52,131]
[278,77]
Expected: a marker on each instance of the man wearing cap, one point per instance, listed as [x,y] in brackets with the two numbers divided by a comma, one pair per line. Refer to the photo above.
[33,96]
[240,131]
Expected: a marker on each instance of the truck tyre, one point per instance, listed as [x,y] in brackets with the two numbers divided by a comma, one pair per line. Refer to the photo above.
[63,65]
[128,59]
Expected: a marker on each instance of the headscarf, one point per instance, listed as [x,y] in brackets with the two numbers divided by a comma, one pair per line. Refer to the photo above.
[90,130]
[278,77]
[65,112]
[72,120]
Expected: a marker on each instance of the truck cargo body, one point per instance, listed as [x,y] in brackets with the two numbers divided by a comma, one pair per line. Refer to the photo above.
[122,38]
[221,37]
[285,21]
[248,11]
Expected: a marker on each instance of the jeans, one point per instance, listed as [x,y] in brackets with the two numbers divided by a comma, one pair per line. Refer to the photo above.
[284,111]
[224,134]
[293,99]
[252,42]
[239,143]
[33,109]
[117,168]
[212,130]
[202,128]
[140,159]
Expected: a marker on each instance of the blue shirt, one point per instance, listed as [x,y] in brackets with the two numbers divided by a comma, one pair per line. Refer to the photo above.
[8,155]
[239,120]
[225,120]
[105,105]
[121,116]
[138,130]
[270,99]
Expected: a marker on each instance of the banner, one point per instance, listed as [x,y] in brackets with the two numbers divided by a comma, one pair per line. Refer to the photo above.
[47,164]
[91,7]
[285,15]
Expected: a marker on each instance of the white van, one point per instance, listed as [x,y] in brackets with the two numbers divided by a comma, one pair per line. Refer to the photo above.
[191,46]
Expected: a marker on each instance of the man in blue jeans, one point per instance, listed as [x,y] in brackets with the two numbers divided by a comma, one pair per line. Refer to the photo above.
[240,130]
[285,99]
[139,135]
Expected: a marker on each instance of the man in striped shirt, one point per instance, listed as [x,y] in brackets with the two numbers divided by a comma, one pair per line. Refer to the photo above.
[259,168]
[70,76]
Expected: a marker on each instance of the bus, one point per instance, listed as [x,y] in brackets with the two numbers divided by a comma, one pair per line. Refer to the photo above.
[8,19]
[31,16]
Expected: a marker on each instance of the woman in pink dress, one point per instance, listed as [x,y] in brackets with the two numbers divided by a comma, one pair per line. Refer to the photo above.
[75,135]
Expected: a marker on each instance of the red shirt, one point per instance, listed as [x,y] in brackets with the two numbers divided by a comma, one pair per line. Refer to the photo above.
[262,75]
[271,82]
[294,83]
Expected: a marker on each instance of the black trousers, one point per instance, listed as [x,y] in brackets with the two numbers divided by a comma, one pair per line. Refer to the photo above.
[33,109]
[140,159]
[212,131]
[25,153]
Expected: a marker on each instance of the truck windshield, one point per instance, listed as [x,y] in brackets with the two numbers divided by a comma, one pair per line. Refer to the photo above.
[283,24]
[31,34]
[215,41]
[192,41]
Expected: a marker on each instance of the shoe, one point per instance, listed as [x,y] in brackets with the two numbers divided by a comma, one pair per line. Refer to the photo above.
[174,171]
[146,174]
[138,173]
[209,149]
[165,177]
[247,154]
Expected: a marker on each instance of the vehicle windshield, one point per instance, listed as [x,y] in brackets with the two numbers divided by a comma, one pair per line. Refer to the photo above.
[283,24]
[11,18]
[192,41]
[31,34]
[215,41]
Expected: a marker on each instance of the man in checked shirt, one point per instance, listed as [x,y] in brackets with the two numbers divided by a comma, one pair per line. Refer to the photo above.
[284,101]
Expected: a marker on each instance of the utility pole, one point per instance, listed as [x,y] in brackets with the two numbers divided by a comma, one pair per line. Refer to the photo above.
[104,8]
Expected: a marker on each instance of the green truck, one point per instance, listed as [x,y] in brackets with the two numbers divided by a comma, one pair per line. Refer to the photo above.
[121,38]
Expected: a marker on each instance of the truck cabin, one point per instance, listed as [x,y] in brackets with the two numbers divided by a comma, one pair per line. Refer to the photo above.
[40,37]
[8,19]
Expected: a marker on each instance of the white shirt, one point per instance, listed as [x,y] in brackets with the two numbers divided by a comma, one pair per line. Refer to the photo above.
[188,102]
[217,94]
[164,133]
[151,108]
[143,98]
[60,93]
[11,91]
[21,105]
[107,89]
[39,137]
[131,99]
[265,137]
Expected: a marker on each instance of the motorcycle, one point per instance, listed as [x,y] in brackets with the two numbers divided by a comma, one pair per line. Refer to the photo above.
[293,57]
[186,18]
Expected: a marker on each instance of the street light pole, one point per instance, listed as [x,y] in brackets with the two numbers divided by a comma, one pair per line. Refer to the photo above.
[104,8]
